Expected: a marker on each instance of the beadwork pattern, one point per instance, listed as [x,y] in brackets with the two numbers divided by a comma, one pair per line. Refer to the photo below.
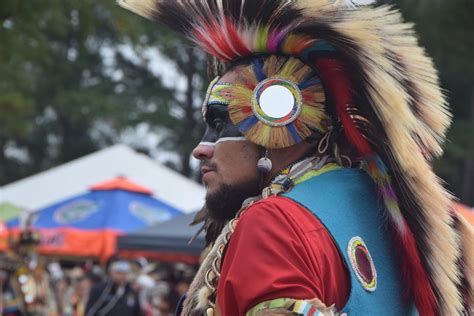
[362,263]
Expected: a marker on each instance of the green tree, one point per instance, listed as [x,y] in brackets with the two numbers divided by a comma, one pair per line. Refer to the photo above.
[15,121]
[74,76]
[178,115]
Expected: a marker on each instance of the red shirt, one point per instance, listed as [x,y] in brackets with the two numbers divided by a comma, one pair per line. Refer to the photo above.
[280,250]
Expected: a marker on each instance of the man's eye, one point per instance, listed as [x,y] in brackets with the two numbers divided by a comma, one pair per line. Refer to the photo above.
[219,125]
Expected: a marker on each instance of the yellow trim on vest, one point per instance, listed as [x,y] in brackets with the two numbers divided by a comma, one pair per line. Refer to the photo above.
[314,173]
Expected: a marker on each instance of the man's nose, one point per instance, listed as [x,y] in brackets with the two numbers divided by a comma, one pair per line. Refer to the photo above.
[203,151]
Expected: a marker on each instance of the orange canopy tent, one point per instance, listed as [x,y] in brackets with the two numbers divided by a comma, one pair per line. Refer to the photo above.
[87,225]
[466,211]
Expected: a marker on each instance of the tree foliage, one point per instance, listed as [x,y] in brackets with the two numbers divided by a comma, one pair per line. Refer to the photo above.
[76,74]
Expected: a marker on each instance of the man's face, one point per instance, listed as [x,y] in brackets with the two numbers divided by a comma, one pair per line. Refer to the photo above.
[119,277]
[228,160]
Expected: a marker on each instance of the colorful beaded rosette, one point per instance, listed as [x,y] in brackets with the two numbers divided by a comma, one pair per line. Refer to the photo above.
[362,263]
[278,104]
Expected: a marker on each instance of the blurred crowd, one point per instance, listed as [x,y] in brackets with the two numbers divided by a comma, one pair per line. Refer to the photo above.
[122,287]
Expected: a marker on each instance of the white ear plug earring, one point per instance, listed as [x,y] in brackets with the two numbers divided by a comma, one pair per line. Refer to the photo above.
[264,164]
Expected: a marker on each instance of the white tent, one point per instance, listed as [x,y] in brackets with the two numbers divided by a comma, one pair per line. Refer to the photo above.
[77,176]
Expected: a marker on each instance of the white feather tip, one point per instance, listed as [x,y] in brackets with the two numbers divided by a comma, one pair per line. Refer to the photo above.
[145,8]
[203,297]
[358,3]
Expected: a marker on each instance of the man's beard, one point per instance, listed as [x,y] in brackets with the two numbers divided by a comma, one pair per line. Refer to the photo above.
[224,204]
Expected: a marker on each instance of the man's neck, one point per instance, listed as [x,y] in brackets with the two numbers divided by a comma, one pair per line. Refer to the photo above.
[284,158]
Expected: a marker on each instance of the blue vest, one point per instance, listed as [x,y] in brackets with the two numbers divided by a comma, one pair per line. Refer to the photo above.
[346,203]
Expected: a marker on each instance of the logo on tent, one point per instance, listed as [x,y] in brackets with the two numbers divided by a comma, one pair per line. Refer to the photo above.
[75,211]
[52,239]
[148,214]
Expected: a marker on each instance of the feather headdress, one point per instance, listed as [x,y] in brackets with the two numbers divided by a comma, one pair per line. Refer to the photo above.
[386,95]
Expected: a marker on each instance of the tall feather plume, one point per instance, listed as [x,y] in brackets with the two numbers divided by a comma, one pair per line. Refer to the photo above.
[242,25]
[412,134]
[397,91]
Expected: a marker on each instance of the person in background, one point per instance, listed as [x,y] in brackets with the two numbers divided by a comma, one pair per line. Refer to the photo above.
[27,288]
[161,299]
[144,284]
[80,293]
[115,296]
[9,298]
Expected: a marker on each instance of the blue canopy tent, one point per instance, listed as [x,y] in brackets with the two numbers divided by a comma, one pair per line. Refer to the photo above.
[88,224]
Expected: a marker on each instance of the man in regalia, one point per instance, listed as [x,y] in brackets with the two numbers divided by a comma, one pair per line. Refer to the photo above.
[322,120]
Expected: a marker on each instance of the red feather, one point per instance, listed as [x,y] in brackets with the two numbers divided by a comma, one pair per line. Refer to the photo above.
[236,40]
[340,90]
[214,31]
[206,44]
[214,40]
[414,275]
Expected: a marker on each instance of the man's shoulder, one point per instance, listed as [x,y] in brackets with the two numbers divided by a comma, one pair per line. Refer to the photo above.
[280,212]
[99,287]
[273,206]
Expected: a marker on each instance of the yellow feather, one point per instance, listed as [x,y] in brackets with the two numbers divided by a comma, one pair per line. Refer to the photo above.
[273,65]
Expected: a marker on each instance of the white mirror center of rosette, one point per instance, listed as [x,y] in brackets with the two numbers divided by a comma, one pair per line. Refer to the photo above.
[277,101]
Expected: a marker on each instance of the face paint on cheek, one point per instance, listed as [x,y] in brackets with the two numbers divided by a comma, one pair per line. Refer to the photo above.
[214,110]
[220,129]
[224,139]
